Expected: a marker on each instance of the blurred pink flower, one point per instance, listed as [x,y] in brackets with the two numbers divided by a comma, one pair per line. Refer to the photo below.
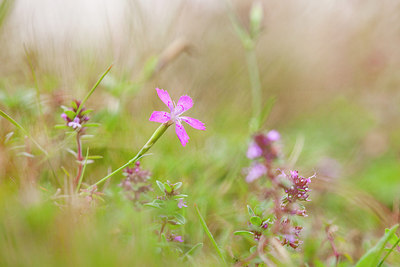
[182,203]
[176,110]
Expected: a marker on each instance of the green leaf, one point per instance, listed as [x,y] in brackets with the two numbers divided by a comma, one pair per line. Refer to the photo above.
[245,233]
[95,157]
[61,126]
[393,239]
[177,185]
[255,220]
[253,249]
[161,186]
[209,234]
[71,114]
[167,187]
[251,212]
[181,220]
[87,111]
[91,125]
[180,196]
[372,257]
[191,251]
[74,105]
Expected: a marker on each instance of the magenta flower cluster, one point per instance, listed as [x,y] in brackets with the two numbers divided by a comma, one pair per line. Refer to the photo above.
[175,115]
[136,182]
[263,150]
[299,187]
[74,120]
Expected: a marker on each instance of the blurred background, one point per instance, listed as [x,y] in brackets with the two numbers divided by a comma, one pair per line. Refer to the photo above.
[333,68]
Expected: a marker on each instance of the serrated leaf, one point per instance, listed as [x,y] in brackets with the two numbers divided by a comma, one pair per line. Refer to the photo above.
[255,220]
[245,233]
[161,186]
[372,257]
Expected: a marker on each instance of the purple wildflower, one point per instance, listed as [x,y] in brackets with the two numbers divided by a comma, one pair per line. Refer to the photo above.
[299,188]
[176,110]
[75,123]
[136,181]
[178,238]
[263,146]
[255,171]
[182,203]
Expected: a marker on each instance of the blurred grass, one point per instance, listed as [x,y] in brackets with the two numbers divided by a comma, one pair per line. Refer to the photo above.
[344,105]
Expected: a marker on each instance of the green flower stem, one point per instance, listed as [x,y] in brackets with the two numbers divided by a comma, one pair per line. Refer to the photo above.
[255,88]
[153,139]
[93,88]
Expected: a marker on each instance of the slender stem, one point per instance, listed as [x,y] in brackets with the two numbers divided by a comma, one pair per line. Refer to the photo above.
[255,82]
[82,172]
[93,88]
[153,139]
[79,158]
[388,253]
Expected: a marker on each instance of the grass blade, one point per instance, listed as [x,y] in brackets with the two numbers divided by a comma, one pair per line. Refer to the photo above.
[94,88]
[7,117]
[210,236]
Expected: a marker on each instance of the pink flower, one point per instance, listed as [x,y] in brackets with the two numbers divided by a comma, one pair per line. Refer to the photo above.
[178,238]
[176,110]
[255,171]
[75,123]
[182,203]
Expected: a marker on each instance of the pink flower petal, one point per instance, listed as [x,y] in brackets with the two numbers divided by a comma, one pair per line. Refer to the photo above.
[164,96]
[255,172]
[273,135]
[254,151]
[184,103]
[181,133]
[194,123]
[160,116]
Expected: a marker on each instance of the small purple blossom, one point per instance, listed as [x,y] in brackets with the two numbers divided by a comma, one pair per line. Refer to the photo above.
[174,116]
[182,203]
[178,238]
[262,145]
[255,171]
[75,124]
[299,188]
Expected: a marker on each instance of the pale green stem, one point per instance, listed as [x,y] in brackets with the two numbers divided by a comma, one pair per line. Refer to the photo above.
[388,253]
[255,82]
[93,88]
[153,139]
